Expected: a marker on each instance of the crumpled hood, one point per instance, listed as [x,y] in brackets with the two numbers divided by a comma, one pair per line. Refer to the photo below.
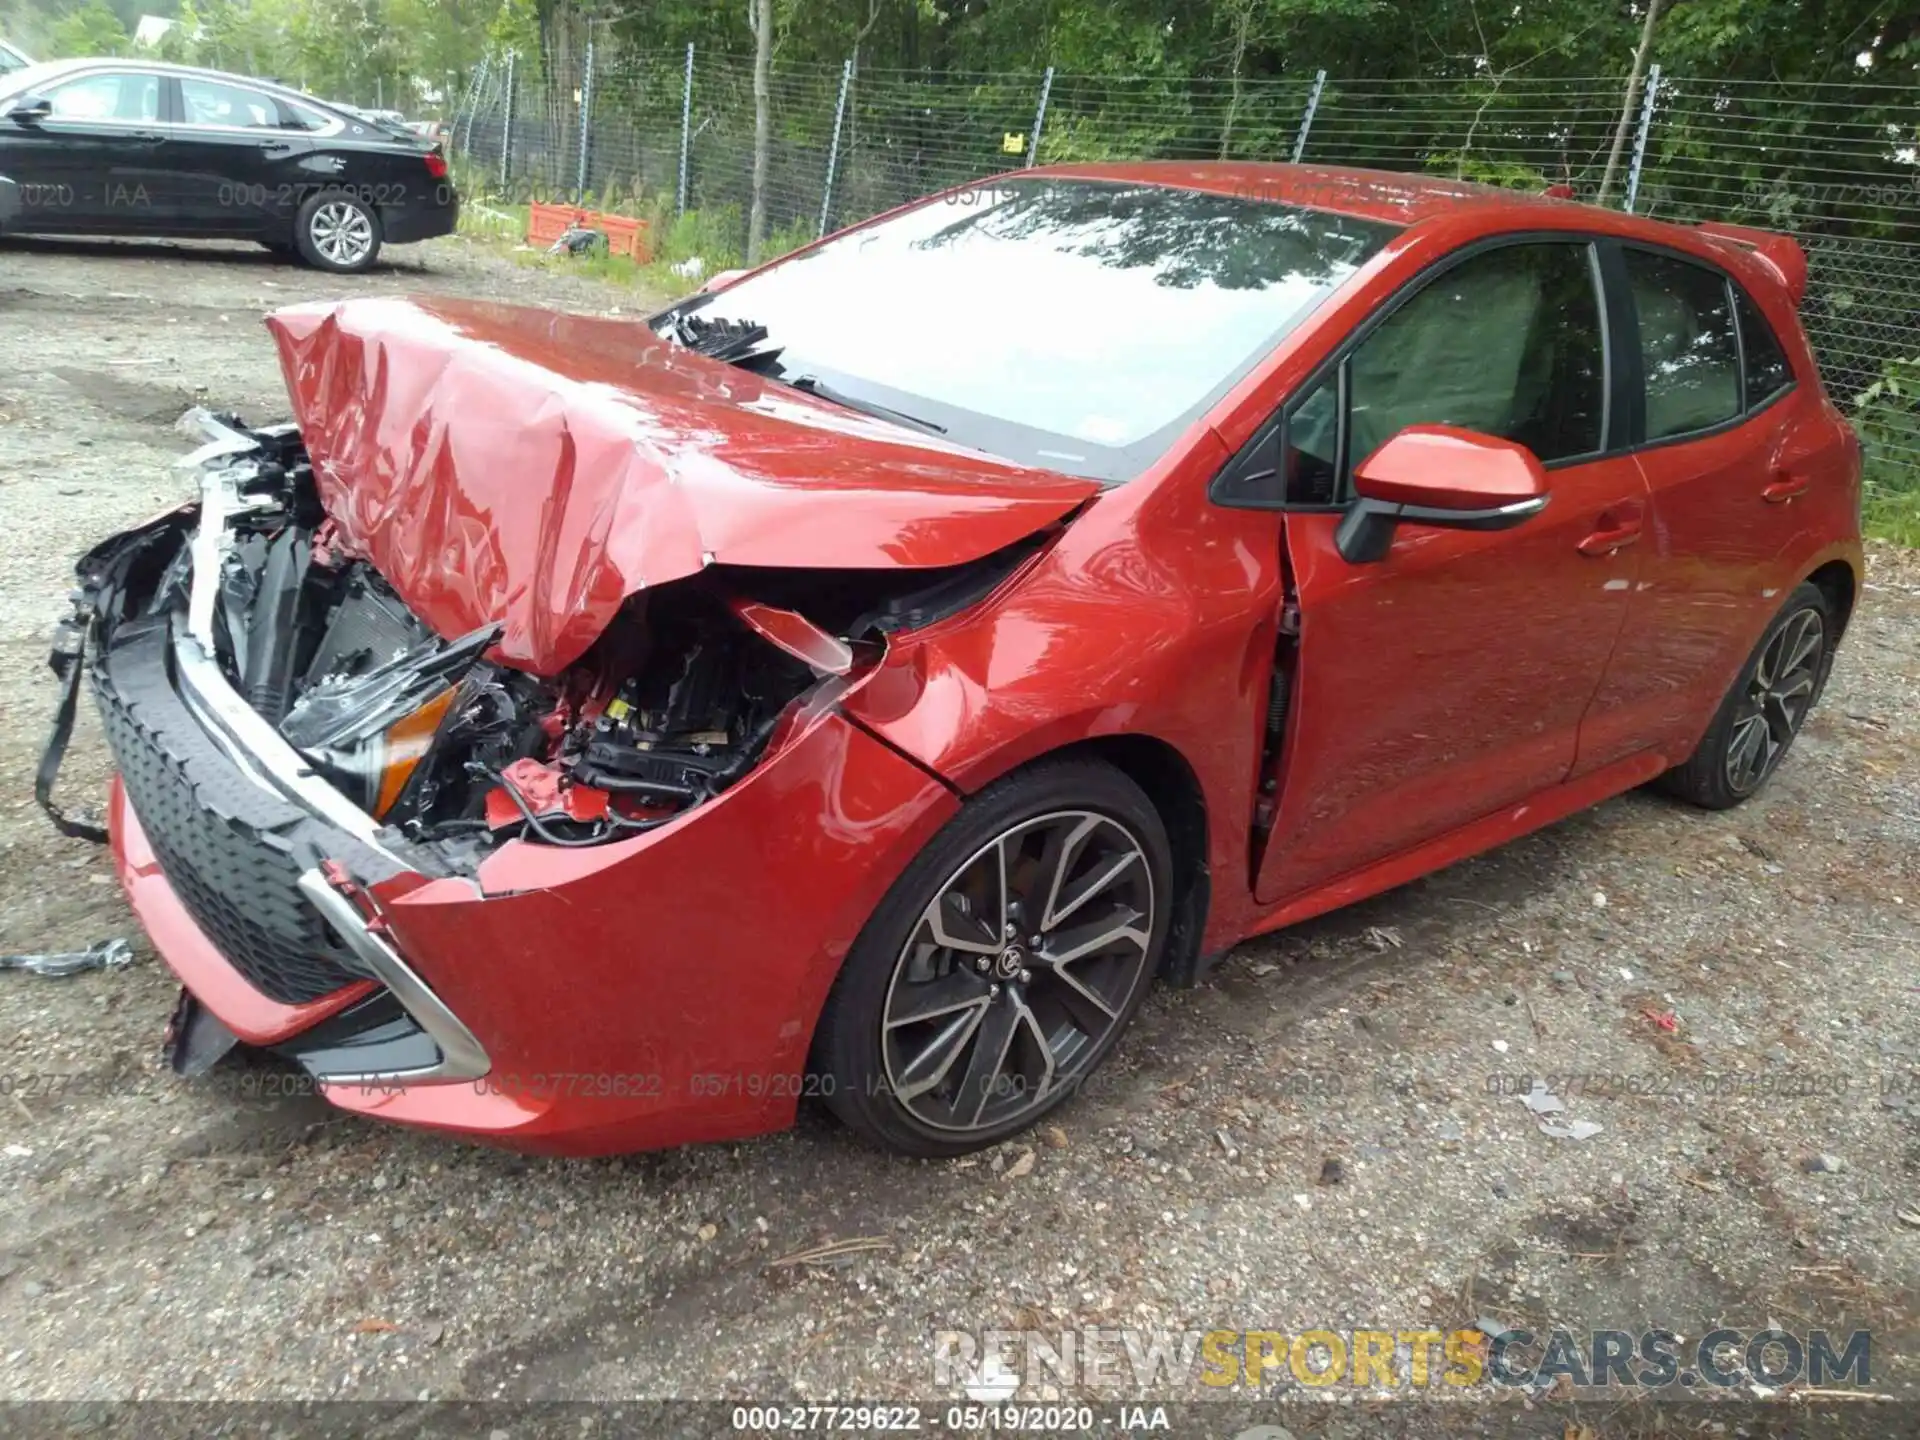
[499,463]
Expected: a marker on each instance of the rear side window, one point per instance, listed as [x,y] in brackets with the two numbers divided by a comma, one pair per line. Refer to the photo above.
[208,102]
[1767,370]
[1688,350]
[1507,343]
[299,117]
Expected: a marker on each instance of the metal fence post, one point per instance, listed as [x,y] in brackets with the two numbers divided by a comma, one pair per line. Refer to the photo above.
[833,149]
[475,91]
[1039,118]
[1640,137]
[586,109]
[1306,120]
[506,129]
[686,131]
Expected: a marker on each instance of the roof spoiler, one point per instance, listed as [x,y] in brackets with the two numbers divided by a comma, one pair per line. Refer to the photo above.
[1782,253]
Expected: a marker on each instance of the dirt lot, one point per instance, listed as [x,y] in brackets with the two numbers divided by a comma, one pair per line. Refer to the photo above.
[168,1239]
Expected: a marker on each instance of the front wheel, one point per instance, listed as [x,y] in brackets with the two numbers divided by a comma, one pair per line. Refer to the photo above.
[338,232]
[1003,965]
[1761,714]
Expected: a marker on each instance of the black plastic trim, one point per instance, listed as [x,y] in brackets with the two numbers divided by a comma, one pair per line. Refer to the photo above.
[372,1036]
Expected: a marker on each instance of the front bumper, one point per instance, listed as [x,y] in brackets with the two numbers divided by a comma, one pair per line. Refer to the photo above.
[242,885]
[645,992]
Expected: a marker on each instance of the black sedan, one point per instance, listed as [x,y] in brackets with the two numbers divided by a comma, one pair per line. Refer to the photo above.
[127,147]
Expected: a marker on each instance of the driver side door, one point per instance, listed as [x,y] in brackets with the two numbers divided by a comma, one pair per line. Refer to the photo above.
[1448,679]
[80,166]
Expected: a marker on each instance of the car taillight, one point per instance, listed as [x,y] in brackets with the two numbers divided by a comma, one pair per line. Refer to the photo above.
[436,165]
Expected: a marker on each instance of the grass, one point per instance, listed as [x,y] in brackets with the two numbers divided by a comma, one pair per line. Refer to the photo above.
[1892,514]
[715,236]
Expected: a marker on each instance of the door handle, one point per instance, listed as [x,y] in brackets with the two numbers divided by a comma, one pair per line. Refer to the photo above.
[1617,529]
[272,146]
[1785,486]
[148,137]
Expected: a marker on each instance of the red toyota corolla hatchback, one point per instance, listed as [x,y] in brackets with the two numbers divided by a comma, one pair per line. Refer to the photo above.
[864,680]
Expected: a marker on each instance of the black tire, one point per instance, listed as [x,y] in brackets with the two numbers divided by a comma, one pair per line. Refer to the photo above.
[1025,826]
[1736,756]
[337,231]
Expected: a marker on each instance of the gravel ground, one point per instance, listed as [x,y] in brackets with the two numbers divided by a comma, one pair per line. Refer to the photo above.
[165,1239]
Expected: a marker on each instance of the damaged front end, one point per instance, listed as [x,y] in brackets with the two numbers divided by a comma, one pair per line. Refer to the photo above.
[297,748]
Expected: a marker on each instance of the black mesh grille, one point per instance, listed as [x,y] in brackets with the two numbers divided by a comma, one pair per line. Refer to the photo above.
[227,847]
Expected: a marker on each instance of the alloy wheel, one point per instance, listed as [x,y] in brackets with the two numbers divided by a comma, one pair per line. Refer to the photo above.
[1776,700]
[341,232]
[1018,972]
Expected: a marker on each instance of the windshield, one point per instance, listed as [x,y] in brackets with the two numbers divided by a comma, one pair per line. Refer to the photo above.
[1071,324]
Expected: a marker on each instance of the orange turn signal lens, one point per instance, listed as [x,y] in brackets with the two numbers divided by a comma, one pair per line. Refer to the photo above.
[403,747]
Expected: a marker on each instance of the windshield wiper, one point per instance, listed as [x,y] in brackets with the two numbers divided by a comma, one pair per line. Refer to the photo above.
[730,340]
[814,385]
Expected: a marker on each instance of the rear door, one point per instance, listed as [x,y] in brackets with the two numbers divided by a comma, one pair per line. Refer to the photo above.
[237,155]
[1449,679]
[1717,447]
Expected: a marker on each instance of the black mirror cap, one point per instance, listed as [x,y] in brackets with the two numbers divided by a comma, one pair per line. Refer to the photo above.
[29,108]
[1366,529]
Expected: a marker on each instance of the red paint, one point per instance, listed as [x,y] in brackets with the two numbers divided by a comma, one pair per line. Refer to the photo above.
[545,791]
[504,464]
[1468,688]
[1782,252]
[1475,838]
[692,959]
[1450,469]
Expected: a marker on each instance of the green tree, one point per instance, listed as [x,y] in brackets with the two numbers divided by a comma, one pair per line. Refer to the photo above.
[92,29]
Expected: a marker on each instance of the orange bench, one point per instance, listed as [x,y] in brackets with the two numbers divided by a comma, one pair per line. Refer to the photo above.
[625,235]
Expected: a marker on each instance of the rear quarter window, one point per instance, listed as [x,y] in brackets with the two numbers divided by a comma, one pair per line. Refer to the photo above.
[1767,370]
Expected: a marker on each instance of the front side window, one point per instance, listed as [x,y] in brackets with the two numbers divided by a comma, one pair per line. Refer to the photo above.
[1766,363]
[1070,324]
[208,102]
[1687,347]
[1508,343]
[107,98]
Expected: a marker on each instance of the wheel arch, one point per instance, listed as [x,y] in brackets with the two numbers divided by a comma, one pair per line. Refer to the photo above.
[1173,787]
[1838,582]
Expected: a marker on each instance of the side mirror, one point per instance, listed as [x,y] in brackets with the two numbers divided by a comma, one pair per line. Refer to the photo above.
[30,109]
[721,280]
[1439,475]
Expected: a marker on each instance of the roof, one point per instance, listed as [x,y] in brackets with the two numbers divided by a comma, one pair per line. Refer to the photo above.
[45,71]
[1400,198]
[1393,196]
[1757,257]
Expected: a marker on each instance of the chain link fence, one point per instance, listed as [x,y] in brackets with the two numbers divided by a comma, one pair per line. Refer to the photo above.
[670,136]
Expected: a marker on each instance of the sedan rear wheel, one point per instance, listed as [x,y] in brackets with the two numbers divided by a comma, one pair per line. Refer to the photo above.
[1761,714]
[1003,966]
[337,231]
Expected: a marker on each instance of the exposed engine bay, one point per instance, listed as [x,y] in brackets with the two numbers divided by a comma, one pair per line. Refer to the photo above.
[432,737]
